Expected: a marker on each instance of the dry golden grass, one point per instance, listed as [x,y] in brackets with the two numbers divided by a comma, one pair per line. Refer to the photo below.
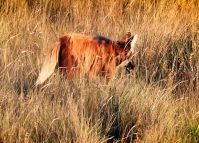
[157,102]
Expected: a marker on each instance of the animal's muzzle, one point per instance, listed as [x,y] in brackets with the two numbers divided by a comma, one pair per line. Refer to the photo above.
[129,67]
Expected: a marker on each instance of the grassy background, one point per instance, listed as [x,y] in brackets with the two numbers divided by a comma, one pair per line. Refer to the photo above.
[157,102]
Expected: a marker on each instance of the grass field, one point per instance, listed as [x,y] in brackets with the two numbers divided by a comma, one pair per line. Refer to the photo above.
[157,102]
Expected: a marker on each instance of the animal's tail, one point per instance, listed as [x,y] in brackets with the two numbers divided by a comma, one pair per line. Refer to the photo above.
[49,64]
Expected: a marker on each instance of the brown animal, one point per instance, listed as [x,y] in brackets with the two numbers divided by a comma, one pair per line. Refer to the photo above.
[77,53]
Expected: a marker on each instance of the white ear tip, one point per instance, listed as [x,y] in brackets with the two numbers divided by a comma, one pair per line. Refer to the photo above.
[135,36]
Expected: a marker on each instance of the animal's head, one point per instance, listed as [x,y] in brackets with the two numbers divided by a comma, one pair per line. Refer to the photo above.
[127,51]
[127,43]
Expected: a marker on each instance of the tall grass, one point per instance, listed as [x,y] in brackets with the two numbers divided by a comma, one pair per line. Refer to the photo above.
[157,102]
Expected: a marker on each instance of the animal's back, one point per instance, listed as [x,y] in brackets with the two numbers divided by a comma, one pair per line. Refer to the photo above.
[85,54]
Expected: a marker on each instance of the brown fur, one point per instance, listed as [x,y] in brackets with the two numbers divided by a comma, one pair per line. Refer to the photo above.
[77,53]
[85,54]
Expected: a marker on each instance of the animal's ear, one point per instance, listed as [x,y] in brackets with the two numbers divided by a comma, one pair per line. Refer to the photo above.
[128,36]
[125,39]
[132,38]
